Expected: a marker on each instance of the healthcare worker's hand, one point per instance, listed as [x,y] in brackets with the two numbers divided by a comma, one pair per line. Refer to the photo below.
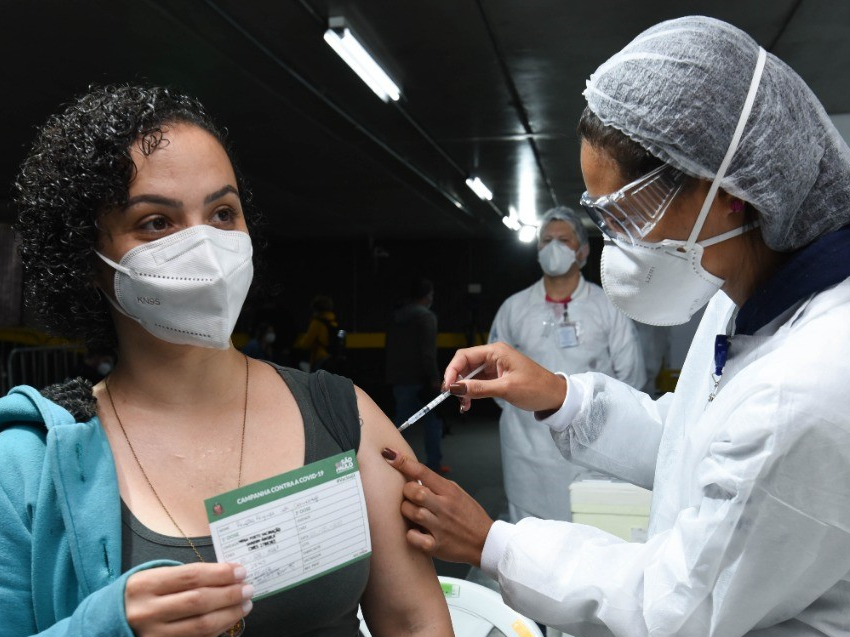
[451,524]
[508,375]
[197,600]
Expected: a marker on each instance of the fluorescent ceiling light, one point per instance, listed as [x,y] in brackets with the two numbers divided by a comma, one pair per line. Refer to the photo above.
[511,222]
[477,186]
[527,234]
[527,197]
[342,40]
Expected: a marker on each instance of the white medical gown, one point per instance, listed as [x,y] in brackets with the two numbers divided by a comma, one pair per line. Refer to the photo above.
[536,477]
[750,523]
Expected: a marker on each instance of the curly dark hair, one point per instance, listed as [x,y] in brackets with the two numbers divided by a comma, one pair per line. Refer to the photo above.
[78,168]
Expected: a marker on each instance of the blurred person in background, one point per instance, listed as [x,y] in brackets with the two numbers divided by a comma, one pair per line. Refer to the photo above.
[411,366]
[96,364]
[262,342]
[316,342]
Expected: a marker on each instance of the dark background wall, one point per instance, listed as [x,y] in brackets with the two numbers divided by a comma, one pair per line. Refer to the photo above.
[369,279]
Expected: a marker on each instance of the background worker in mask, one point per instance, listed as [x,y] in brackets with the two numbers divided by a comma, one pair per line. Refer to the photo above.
[563,322]
[717,178]
[103,528]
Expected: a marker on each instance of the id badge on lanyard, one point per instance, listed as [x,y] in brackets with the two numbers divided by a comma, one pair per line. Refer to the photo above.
[567,332]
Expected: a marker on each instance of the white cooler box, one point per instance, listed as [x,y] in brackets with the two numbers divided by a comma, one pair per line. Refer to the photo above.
[619,508]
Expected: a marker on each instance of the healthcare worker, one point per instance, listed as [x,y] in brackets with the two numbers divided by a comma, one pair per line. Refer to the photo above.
[710,166]
[566,323]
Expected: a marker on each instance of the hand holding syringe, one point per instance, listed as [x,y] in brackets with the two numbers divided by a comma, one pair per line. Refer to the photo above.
[435,402]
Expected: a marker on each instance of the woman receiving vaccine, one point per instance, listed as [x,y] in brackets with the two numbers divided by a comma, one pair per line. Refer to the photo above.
[135,233]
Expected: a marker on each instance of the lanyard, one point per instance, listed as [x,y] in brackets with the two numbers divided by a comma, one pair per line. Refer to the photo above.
[565,302]
[721,349]
[721,352]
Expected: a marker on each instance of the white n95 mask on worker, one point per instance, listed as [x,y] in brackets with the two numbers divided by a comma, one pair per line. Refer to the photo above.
[187,288]
[664,283]
[556,258]
[660,283]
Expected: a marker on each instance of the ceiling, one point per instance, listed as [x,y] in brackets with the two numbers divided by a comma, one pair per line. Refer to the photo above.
[490,87]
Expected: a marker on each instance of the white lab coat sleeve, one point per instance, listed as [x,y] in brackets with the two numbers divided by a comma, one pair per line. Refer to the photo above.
[617,430]
[561,419]
[500,330]
[625,349]
[762,532]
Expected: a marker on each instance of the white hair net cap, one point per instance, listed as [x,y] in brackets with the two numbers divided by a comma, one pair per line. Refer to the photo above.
[678,90]
[563,213]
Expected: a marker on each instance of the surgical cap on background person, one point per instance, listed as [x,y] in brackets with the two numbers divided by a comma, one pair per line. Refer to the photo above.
[562,213]
[678,90]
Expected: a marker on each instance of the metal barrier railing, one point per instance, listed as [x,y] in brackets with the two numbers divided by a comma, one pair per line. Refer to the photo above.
[39,366]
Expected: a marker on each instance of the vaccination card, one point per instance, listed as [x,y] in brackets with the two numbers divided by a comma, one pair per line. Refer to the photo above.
[294,527]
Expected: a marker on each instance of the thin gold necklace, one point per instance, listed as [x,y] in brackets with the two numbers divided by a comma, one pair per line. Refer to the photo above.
[239,627]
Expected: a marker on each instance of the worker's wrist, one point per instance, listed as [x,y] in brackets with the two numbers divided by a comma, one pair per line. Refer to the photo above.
[559,419]
[495,546]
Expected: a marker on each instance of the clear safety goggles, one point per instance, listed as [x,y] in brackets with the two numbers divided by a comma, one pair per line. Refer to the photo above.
[630,213]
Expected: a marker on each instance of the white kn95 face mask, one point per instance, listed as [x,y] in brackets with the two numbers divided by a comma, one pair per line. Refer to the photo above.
[187,288]
[664,283]
[556,258]
[660,283]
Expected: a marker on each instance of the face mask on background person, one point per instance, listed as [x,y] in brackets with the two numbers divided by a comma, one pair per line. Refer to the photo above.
[104,367]
[556,258]
[658,283]
[269,338]
[187,288]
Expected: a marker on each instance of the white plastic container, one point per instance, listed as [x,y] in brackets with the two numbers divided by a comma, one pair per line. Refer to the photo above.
[620,508]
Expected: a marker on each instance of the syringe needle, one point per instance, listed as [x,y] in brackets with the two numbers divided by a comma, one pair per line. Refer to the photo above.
[424,410]
[430,406]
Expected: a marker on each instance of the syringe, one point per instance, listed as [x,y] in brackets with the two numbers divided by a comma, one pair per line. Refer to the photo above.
[436,401]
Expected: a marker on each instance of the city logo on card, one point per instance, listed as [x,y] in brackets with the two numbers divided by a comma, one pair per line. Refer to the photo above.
[345,464]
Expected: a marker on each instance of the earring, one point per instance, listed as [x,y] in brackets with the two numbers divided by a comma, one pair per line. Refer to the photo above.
[738,205]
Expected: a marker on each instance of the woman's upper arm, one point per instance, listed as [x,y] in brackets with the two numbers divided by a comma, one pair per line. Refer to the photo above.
[403,595]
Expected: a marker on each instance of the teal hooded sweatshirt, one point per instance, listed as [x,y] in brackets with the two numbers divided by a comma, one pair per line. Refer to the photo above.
[60,524]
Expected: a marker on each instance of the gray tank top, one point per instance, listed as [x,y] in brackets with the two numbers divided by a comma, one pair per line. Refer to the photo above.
[326,606]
